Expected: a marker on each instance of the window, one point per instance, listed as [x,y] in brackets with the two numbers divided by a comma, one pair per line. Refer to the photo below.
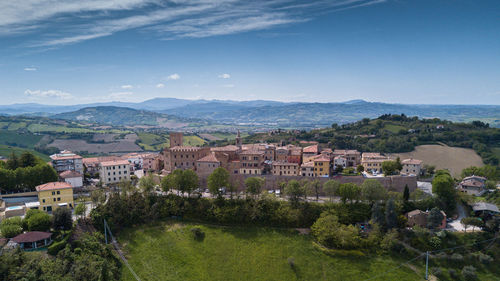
[58,198]
[53,193]
[58,192]
[43,201]
[54,199]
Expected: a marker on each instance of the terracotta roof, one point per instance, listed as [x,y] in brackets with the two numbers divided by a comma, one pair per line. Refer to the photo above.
[308,164]
[282,163]
[70,174]
[322,158]
[97,160]
[472,182]
[184,148]
[65,156]
[311,149]
[251,152]
[344,151]
[415,212]
[225,148]
[209,158]
[32,236]
[411,161]
[53,186]
[115,162]
[372,155]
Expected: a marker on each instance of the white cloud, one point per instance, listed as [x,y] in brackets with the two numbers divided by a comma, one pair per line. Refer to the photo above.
[31,68]
[224,76]
[119,95]
[72,21]
[127,87]
[48,94]
[174,76]
[160,85]
[228,85]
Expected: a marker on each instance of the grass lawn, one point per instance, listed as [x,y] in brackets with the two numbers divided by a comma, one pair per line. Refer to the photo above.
[394,128]
[496,151]
[168,251]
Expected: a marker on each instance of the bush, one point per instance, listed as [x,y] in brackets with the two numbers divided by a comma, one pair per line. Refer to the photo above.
[484,258]
[11,227]
[455,275]
[442,256]
[457,258]
[58,245]
[435,242]
[39,222]
[198,233]
[436,271]
[469,273]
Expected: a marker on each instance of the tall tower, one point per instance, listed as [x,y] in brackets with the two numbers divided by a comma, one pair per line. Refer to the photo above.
[238,140]
[176,139]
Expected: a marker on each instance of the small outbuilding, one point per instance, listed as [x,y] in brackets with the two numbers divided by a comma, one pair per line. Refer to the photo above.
[33,240]
[483,208]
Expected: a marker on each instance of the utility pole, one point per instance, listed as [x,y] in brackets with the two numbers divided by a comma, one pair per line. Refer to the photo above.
[427,265]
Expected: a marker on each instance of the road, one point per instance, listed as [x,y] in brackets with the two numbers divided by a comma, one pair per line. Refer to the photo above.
[455,224]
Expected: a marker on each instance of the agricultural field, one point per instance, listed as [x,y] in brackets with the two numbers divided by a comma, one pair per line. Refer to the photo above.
[6,150]
[193,140]
[168,251]
[126,144]
[152,142]
[455,159]
[21,139]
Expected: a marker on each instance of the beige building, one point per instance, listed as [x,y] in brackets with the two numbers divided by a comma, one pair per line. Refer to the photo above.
[372,162]
[285,169]
[112,172]
[309,152]
[53,195]
[176,139]
[307,169]
[206,165]
[183,157]
[411,166]
[322,166]
[251,162]
[353,157]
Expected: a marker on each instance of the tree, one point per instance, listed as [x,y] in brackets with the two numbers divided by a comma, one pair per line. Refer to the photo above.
[443,186]
[254,185]
[61,219]
[435,218]
[295,191]
[27,159]
[330,188]
[391,217]
[168,183]
[329,232]
[12,162]
[471,221]
[11,227]
[377,214]
[281,186]
[97,196]
[81,209]
[218,179]
[39,222]
[360,168]
[349,191]
[147,183]
[372,190]
[314,188]
[126,186]
[187,181]
[390,167]
[406,193]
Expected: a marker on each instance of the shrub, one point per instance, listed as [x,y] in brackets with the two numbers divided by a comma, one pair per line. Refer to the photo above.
[484,258]
[435,242]
[436,271]
[441,255]
[11,227]
[291,262]
[198,233]
[469,273]
[457,258]
[455,275]
[39,222]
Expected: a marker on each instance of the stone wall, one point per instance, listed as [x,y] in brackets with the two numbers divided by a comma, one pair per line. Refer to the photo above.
[392,183]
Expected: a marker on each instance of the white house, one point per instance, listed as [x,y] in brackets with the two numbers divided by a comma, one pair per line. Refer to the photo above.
[73,178]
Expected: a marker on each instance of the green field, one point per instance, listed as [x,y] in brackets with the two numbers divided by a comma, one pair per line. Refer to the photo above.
[152,142]
[6,150]
[496,151]
[394,128]
[168,251]
[228,136]
[193,141]
[19,139]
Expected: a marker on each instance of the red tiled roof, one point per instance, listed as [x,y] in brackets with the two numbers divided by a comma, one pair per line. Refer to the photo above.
[70,174]
[308,164]
[411,161]
[53,186]
[115,162]
[65,157]
[322,158]
[311,149]
[251,152]
[225,148]
[32,236]
[185,148]
[209,158]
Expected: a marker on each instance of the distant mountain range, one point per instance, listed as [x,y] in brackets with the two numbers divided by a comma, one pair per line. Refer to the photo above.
[260,113]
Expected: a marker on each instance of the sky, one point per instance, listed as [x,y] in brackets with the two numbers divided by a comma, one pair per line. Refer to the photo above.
[396,51]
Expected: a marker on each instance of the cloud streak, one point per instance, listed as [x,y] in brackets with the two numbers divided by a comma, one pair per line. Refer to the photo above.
[70,22]
[174,76]
[48,94]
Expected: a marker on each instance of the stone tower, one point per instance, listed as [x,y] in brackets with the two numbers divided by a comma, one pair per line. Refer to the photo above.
[176,139]
[238,140]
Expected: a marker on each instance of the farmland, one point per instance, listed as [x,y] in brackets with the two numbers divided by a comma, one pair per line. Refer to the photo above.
[168,251]
[455,159]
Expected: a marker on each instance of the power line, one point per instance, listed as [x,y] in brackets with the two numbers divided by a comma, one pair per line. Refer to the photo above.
[115,244]
[380,275]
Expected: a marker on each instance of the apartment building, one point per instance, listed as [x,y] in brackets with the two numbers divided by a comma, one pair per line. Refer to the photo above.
[372,162]
[112,172]
[183,157]
[322,166]
[93,164]
[353,157]
[53,195]
[307,169]
[285,169]
[67,161]
[309,152]
[206,165]
[251,162]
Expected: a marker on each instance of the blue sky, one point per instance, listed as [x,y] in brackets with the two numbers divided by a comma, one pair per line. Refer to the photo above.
[397,51]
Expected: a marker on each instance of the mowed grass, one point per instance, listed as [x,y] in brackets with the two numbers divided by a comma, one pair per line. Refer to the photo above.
[168,251]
